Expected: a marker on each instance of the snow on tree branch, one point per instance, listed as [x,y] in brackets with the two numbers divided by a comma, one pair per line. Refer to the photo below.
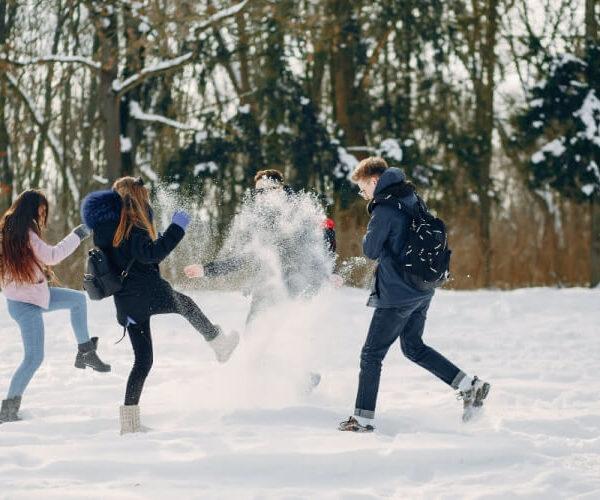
[222,14]
[135,111]
[121,88]
[52,140]
[133,81]
[54,58]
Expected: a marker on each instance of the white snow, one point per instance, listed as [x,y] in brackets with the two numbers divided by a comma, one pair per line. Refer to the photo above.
[569,58]
[588,189]
[144,27]
[60,58]
[593,167]
[209,166]
[247,429]
[136,112]
[346,165]
[222,14]
[283,129]
[125,144]
[100,179]
[201,136]
[146,169]
[118,86]
[391,149]
[589,114]
[550,199]
[555,148]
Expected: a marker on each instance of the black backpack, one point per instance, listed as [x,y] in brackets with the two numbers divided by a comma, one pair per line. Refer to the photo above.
[424,262]
[101,280]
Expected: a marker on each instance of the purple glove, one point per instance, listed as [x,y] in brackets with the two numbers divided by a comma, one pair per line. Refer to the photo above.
[181,218]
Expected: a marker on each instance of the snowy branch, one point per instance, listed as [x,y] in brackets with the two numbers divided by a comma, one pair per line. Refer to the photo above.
[135,111]
[52,140]
[121,88]
[222,14]
[56,58]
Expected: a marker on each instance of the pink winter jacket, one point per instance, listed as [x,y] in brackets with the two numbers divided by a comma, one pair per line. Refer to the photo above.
[39,293]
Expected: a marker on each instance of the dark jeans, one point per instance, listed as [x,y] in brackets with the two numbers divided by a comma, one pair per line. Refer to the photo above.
[141,339]
[387,325]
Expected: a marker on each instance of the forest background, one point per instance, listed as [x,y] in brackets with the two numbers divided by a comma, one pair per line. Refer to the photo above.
[490,106]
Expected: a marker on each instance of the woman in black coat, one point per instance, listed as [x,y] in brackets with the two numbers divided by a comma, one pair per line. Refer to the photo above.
[121,220]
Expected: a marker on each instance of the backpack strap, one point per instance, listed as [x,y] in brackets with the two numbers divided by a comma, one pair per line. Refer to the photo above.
[396,202]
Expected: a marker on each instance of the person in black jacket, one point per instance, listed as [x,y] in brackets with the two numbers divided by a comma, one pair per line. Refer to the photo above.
[400,309]
[121,220]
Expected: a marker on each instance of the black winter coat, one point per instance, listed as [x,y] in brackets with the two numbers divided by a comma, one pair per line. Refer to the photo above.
[144,289]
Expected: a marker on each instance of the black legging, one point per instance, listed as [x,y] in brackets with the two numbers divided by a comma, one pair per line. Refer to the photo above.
[141,339]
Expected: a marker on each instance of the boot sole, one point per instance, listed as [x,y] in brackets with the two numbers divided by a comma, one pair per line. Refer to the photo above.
[83,366]
[356,430]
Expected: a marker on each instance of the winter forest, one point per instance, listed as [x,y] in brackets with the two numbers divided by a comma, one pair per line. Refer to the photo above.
[490,106]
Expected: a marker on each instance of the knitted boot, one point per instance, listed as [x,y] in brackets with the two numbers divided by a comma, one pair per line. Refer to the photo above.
[130,419]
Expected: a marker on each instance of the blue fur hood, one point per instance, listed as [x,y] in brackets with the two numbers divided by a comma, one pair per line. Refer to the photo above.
[99,207]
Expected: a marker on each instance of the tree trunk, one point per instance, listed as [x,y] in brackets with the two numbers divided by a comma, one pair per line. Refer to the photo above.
[108,103]
[483,132]
[405,100]
[87,133]
[134,64]
[48,87]
[6,176]
[595,243]
[347,101]
[591,36]
[591,22]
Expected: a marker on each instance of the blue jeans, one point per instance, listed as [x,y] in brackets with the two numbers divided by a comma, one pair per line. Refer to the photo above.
[29,318]
[406,323]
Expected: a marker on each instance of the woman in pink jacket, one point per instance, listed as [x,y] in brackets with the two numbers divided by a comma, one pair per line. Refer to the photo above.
[24,276]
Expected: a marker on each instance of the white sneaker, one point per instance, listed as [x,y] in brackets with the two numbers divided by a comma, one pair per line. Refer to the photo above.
[473,398]
[224,345]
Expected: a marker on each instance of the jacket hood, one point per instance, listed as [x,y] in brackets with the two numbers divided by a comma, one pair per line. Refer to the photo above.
[394,184]
[99,207]
[390,177]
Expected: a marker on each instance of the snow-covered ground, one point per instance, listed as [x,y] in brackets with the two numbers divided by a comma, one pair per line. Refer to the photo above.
[249,428]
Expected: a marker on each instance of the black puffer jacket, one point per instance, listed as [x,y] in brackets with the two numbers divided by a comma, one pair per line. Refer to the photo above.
[144,289]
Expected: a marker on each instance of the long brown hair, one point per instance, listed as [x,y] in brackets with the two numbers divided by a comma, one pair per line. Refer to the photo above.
[18,262]
[136,208]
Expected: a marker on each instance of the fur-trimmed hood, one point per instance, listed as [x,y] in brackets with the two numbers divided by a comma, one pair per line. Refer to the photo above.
[99,207]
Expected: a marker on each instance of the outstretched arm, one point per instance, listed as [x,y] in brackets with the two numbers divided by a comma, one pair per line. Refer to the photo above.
[146,251]
[52,255]
[217,268]
[225,266]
